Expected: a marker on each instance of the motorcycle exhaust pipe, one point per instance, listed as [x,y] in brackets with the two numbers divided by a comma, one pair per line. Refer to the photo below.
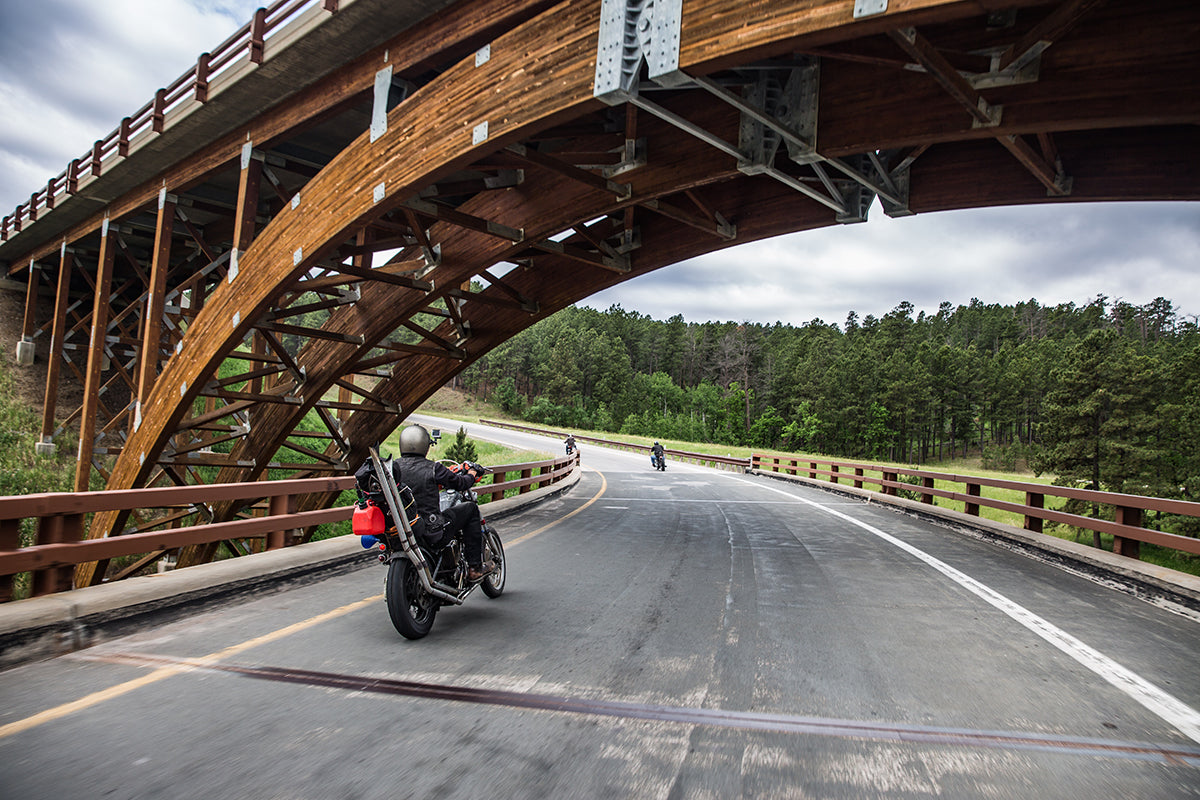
[408,540]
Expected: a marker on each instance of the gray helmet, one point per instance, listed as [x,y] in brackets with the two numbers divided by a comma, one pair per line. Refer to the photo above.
[414,440]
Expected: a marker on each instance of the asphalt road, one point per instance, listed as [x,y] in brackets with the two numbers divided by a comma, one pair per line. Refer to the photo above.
[687,634]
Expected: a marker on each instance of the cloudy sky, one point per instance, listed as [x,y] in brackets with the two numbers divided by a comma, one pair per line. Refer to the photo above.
[71,69]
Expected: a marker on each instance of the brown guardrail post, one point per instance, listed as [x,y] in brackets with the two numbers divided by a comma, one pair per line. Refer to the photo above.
[972,508]
[258,30]
[1034,500]
[10,539]
[858,474]
[834,469]
[812,469]
[123,138]
[527,473]
[889,477]
[277,506]
[927,496]
[56,529]
[1124,546]
[201,85]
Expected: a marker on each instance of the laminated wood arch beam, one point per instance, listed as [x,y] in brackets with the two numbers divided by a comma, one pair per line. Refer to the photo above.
[525,108]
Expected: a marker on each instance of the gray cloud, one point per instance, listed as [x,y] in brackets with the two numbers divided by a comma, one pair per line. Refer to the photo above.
[71,69]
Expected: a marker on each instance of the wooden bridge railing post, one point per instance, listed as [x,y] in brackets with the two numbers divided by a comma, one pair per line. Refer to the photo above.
[56,529]
[258,32]
[858,474]
[926,495]
[10,539]
[972,508]
[889,477]
[1122,546]
[280,504]
[1034,500]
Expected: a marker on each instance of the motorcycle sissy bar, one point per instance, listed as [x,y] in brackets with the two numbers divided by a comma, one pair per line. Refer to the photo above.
[408,540]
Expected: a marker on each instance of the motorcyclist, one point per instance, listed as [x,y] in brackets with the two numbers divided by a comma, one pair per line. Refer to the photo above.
[657,452]
[424,477]
[570,442]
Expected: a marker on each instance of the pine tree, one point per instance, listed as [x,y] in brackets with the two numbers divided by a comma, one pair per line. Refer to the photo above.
[463,448]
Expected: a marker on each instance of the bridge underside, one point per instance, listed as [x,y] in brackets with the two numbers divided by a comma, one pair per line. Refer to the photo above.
[280,299]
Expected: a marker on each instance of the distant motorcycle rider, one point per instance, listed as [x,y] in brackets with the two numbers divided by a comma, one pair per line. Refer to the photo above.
[570,442]
[657,452]
[424,477]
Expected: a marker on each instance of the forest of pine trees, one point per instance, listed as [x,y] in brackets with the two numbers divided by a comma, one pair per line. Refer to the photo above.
[1104,394]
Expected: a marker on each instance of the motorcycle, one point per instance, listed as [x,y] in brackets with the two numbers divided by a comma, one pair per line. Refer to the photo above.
[426,568]
[658,462]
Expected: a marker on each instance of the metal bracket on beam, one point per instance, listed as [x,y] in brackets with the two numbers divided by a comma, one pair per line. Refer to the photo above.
[856,199]
[633,32]
[869,8]
[900,179]
[633,155]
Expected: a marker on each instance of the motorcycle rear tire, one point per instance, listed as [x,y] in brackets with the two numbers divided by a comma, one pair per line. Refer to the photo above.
[493,585]
[412,609]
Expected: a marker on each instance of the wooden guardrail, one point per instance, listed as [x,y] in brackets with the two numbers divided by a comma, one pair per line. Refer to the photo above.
[1129,509]
[59,544]
[704,459]
[249,40]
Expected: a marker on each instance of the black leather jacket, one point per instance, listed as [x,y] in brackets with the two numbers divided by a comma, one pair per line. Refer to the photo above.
[424,477]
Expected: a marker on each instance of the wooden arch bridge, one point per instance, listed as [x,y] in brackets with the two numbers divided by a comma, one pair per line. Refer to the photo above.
[348,201]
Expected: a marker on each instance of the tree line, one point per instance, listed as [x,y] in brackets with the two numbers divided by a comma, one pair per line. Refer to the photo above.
[1102,394]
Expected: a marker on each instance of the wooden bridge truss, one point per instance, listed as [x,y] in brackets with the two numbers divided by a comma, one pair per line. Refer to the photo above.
[279,296]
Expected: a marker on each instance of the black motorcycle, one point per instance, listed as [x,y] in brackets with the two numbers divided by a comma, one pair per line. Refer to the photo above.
[658,461]
[427,569]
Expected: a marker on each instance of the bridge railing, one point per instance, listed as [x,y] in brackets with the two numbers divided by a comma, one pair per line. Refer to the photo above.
[249,41]
[61,516]
[529,476]
[704,459]
[1128,509]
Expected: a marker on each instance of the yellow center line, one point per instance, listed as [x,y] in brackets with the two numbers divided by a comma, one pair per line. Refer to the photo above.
[547,526]
[95,698]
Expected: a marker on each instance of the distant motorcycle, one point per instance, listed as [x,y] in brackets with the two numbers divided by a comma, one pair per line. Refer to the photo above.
[658,462]
[426,568]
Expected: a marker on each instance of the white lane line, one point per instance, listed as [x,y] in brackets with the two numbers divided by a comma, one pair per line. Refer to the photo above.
[1166,706]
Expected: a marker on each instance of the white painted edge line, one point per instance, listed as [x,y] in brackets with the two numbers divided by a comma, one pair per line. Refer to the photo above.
[1154,699]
